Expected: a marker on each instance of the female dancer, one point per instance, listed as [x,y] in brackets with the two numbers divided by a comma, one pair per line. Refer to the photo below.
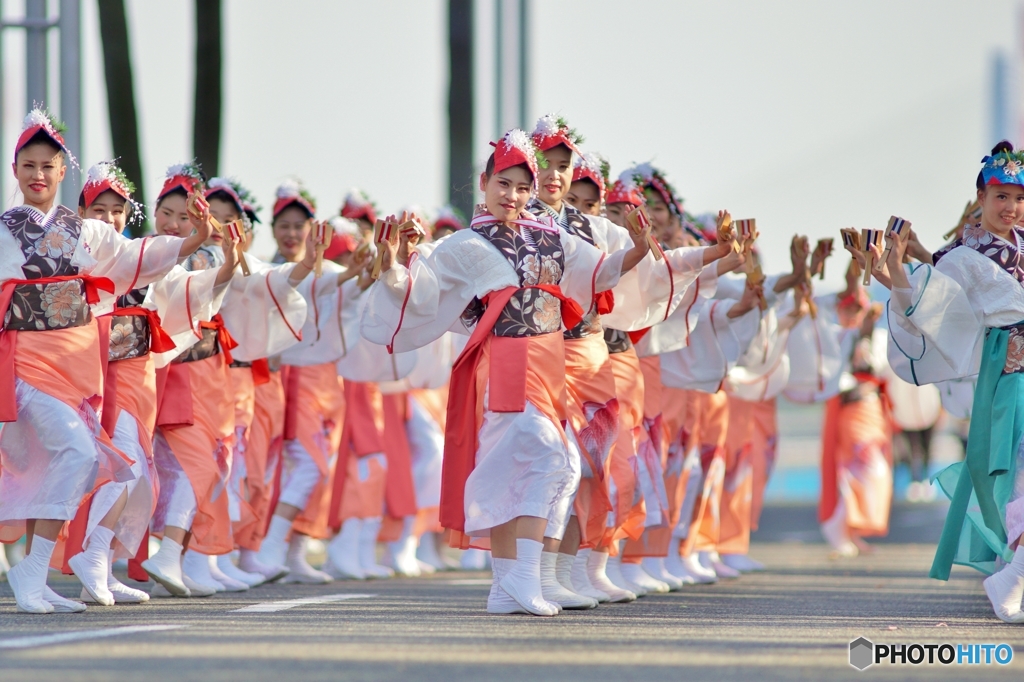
[514,280]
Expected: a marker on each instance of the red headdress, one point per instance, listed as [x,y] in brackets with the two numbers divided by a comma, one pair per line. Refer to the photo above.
[626,190]
[39,121]
[237,194]
[184,176]
[292,192]
[592,166]
[357,205]
[552,131]
[449,218]
[104,176]
[515,148]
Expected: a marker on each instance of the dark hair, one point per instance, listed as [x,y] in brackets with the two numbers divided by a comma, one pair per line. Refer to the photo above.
[41,137]
[489,168]
[586,179]
[1001,146]
[179,190]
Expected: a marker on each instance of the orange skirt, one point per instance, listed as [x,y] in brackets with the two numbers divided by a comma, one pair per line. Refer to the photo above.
[204,452]
[319,413]
[593,410]
[738,485]
[629,507]
[712,430]
[764,448]
[266,437]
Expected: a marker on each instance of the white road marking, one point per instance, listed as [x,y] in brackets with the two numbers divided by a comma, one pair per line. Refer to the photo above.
[271,606]
[65,637]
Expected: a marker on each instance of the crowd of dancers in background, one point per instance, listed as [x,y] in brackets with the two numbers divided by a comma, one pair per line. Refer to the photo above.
[580,379]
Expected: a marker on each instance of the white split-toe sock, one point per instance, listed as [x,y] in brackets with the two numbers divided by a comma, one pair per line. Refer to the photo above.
[579,579]
[28,577]
[426,552]
[274,546]
[226,566]
[1005,589]
[522,581]
[122,593]
[197,567]
[674,563]
[613,570]
[742,563]
[197,589]
[230,584]
[4,564]
[837,534]
[249,562]
[299,570]
[92,565]
[701,576]
[636,575]
[164,568]
[403,551]
[711,560]
[597,572]
[368,532]
[654,566]
[343,552]
[498,600]
[563,572]
[553,589]
[62,604]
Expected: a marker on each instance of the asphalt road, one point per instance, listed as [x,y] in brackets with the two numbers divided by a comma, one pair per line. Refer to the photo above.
[794,621]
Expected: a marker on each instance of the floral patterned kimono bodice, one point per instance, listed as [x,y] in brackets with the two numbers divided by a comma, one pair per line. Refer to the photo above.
[205,258]
[537,257]
[48,246]
[575,223]
[1009,258]
[129,334]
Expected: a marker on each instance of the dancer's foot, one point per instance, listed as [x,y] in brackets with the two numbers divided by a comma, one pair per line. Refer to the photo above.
[61,604]
[1005,590]
[742,563]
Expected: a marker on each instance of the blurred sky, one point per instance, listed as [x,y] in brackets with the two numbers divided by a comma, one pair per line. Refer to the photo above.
[807,115]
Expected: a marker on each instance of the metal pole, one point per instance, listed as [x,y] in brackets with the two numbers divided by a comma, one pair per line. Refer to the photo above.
[35,52]
[499,70]
[524,61]
[71,91]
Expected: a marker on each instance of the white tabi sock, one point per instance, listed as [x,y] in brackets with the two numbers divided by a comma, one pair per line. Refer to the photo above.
[368,550]
[28,577]
[1005,589]
[164,567]
[742,563]
[343,552]
[552,588]
[579,579]
[248,561]
[674,562]
[613,569]
[299,570]
[403,551]
[61,604]
[275,544]
[91,566]
[228,568]
[636,575]
[230,584]
[197,567]
[122,593]
[694,569]
[522,582]
[654,566]
[711,560]
[597,572]
[563,573]
[498,600]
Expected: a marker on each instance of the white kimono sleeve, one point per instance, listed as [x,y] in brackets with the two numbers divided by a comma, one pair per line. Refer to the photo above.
[674,333]
[183,299]
[704,364]
[937,334]
[817,349]
[588,269]
[264,313]
[762,371]
[128,263]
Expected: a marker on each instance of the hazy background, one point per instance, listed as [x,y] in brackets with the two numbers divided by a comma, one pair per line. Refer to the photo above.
[807,115]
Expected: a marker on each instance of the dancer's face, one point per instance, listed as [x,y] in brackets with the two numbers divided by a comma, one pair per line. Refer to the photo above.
[39,170]
[172,217]
[585,197]
[617,212]
[554,181]
[507,192]
[225,211]
[291,227]
[110,207]
[661,215]
[1002,207]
